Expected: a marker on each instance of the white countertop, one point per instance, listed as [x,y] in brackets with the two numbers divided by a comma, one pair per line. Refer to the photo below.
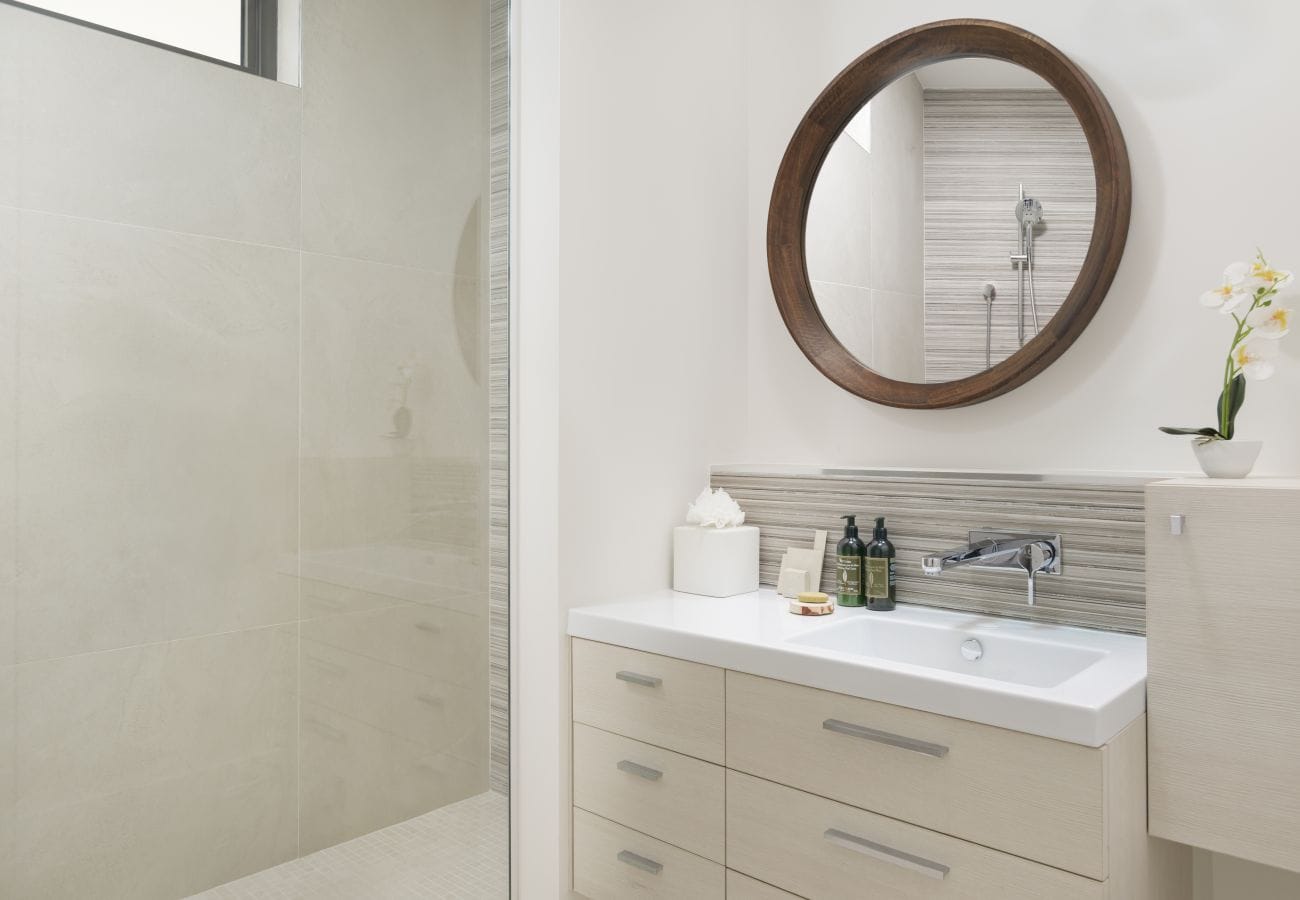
[753,633]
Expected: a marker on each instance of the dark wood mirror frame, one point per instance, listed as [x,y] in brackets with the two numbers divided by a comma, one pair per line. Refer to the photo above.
[835,108]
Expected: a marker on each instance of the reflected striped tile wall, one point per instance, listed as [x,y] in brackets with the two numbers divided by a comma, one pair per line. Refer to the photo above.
[499,398]
[979,147]
[1101,522]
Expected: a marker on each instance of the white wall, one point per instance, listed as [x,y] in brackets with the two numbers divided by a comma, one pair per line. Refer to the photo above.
[652,186]
[1150,356]
[635,178]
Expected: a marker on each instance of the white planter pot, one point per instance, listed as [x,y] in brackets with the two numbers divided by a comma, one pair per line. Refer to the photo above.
[715,562]
[1227,459]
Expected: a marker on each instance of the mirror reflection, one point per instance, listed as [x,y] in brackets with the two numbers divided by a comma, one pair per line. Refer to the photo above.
[950,220]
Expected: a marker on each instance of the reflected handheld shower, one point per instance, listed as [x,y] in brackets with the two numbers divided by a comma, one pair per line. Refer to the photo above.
[1029,213]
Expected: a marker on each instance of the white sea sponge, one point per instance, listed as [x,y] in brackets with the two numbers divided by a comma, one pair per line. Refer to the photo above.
[716,509]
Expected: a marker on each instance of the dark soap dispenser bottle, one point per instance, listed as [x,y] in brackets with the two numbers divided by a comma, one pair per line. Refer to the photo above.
[879,570]
[848,566]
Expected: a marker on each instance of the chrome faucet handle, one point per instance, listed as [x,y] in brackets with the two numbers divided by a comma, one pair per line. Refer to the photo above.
[1026,560]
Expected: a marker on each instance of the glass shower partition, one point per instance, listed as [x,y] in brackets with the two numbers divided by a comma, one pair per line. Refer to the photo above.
[253,539]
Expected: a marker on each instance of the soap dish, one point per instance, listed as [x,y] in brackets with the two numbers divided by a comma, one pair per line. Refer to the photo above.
[812,605]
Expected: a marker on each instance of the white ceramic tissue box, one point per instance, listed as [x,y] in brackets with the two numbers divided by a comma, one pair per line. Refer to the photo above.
[715,562]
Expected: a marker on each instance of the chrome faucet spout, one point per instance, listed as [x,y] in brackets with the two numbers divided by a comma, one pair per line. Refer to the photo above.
[1032,554]
[935,564]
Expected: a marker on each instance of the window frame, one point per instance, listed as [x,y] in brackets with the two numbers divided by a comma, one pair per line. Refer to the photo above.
[258,36]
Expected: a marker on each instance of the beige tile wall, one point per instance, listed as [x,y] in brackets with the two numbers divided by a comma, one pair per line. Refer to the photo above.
[241,617]
[98,128]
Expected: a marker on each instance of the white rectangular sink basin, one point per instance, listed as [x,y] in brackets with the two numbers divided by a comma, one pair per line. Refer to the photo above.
[1032,661]
[1072,684]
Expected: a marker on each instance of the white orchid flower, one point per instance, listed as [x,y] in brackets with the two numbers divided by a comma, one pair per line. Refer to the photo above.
[1254,357]
[1270,321]
[1262,275]
[1232,292]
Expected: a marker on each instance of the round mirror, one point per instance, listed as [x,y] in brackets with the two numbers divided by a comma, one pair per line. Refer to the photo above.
[948,216]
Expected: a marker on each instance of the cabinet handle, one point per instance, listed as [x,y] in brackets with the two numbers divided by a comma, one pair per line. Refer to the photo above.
[1176,523]
[884,737]
[643,680]
[649,774]
[920,864]
[637,861]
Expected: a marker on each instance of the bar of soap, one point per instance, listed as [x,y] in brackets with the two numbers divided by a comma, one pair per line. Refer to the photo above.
[812,604]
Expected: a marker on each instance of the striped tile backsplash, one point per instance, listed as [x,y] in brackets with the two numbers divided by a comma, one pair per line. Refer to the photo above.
[1101,521]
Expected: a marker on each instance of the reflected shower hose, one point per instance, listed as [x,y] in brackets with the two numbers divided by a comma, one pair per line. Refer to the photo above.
[1029,264]
[1029,212]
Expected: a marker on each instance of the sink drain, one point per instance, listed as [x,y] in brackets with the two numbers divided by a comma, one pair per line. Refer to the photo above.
[972,649]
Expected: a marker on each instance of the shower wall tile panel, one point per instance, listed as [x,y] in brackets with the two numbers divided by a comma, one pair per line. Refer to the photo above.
[394,413]
[1101,522]
[218,158]
[980,146]
[153,771]
[865,236]
[158,397]
[394,119]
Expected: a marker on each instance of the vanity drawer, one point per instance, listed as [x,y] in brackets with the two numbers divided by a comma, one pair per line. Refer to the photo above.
[611,862]
[1032,796]
[742,887]
[819,848]
[666,702]
[666,795]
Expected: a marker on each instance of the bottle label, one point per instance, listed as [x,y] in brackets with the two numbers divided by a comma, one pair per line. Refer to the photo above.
[880,577]
[848,575]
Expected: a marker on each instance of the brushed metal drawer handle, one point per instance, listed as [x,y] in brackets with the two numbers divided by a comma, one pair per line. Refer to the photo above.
[649,774]
[643,680]
[884,737]
[640,862]
[919,864]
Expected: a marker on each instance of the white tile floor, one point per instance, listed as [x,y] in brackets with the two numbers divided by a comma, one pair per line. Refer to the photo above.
[458,852]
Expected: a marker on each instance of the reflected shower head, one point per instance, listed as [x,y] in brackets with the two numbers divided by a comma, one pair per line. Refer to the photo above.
[1029,212]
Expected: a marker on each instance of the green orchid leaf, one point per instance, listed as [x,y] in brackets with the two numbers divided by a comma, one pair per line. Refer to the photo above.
[1202,432]
[1227,412]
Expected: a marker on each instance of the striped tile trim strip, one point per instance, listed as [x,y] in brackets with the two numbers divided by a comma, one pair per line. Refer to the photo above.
[499,398]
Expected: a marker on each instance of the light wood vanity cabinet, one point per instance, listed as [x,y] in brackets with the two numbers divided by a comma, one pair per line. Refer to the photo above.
[1223,650]
[663,701]
[1032,796]
[825,796]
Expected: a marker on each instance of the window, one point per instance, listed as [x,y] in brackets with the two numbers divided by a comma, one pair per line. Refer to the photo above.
[240,33]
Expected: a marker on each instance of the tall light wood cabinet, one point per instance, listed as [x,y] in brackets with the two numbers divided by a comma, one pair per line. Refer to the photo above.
[1223,651]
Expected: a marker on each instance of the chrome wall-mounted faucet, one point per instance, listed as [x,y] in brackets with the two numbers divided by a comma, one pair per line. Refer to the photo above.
[1032,553]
